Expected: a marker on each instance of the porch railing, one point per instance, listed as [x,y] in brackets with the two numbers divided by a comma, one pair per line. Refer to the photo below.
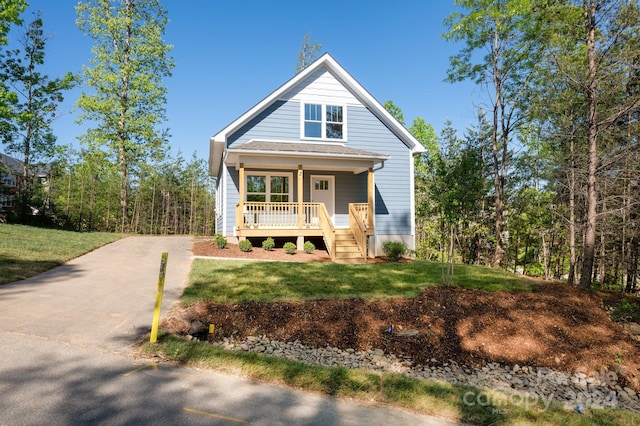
[361,210]
[278,215]
[328,230]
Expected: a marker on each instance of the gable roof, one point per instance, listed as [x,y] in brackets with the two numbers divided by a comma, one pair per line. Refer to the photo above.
[218,141]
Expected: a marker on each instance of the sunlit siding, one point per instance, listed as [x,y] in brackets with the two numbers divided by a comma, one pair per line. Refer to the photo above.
[321,87]
[393,185]
[281,121]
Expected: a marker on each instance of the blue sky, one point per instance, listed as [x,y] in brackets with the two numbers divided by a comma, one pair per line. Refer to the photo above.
[231,54]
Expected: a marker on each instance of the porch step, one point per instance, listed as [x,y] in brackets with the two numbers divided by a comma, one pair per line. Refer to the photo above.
[347,250]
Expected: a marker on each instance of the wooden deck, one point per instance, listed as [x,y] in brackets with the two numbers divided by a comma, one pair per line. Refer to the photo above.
[259,219]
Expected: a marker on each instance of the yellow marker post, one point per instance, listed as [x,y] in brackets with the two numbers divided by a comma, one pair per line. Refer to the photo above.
[159,293]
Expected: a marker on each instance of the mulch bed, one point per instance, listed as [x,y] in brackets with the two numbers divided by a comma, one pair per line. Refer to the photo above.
[556,326]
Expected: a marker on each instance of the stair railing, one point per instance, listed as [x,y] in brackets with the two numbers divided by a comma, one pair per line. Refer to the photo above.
[358,227]
[328,230]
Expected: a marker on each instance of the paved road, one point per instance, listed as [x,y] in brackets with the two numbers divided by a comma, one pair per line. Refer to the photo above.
[67,353]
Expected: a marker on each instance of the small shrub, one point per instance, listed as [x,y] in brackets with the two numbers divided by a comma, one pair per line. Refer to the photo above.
[289,248]
[245,245]
[221,242]
[625,311]
[394,250]
[309,247]
[268,244]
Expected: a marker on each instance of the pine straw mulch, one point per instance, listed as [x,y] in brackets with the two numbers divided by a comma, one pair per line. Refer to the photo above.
[556,326]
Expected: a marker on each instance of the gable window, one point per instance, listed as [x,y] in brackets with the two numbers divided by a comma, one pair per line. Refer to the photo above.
[323,121]
[269,187]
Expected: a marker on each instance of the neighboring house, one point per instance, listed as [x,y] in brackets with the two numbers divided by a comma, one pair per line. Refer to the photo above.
[316,158]
[11,180]
[11,171]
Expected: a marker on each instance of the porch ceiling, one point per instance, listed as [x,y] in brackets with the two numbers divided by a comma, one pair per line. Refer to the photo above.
[312,156]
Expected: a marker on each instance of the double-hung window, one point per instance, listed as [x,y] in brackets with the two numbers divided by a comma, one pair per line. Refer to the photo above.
[270,187]
[323,121]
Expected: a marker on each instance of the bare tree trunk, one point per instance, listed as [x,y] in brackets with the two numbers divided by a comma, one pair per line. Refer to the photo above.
[588,251]
[572,206]
[153,202]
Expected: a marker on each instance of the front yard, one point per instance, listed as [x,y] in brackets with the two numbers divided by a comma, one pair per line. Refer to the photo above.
[489,316]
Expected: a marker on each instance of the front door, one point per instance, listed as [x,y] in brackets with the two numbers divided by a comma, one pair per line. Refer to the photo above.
[323,191]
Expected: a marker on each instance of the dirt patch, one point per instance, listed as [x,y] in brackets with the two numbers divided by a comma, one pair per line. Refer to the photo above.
[556,326]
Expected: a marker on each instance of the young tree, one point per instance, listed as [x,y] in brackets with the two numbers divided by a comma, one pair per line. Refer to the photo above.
[126,103]
[308,52]
[27,128]
[498,27]
[9,15]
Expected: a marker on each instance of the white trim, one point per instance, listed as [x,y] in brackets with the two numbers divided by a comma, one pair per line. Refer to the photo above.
[332,185]
[225,199]
[412,188]
[323,122]
[268,174]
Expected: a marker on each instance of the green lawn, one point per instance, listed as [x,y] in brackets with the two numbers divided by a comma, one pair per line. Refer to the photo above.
[26,251]
[229,281]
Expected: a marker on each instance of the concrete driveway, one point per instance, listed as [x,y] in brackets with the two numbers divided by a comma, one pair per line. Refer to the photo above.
[103,299]
[67,342]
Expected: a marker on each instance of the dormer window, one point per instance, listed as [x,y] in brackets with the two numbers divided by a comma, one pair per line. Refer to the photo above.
[323,121]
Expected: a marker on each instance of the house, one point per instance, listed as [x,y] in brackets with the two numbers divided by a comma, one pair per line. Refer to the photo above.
[318,157]
[12,181]
[11,171]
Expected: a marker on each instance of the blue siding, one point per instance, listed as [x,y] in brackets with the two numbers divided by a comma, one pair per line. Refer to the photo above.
[393,185]
[281,121]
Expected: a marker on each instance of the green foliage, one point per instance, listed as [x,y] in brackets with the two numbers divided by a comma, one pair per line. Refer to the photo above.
[289,247]
[626,311]
[220,241]
[309,247]
[394,250]
[268,244]
[245,245]
[395,111]
[28,114]
[125,106]
[10,15]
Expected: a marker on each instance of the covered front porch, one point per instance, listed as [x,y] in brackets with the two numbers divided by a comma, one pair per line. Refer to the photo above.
[297,180]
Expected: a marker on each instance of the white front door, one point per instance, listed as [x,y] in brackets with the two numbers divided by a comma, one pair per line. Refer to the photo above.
[323,191]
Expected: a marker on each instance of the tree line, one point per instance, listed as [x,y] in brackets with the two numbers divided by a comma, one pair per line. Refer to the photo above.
[123,177]
[547,181]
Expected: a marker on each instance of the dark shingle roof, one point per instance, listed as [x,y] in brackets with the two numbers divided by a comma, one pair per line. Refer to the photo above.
[307,148]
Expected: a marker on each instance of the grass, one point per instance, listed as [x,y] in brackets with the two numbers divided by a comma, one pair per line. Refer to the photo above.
[27,251]
[455,402]
[229,281]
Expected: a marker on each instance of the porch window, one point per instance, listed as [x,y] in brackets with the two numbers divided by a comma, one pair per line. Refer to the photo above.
[323,121]
[272,187]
